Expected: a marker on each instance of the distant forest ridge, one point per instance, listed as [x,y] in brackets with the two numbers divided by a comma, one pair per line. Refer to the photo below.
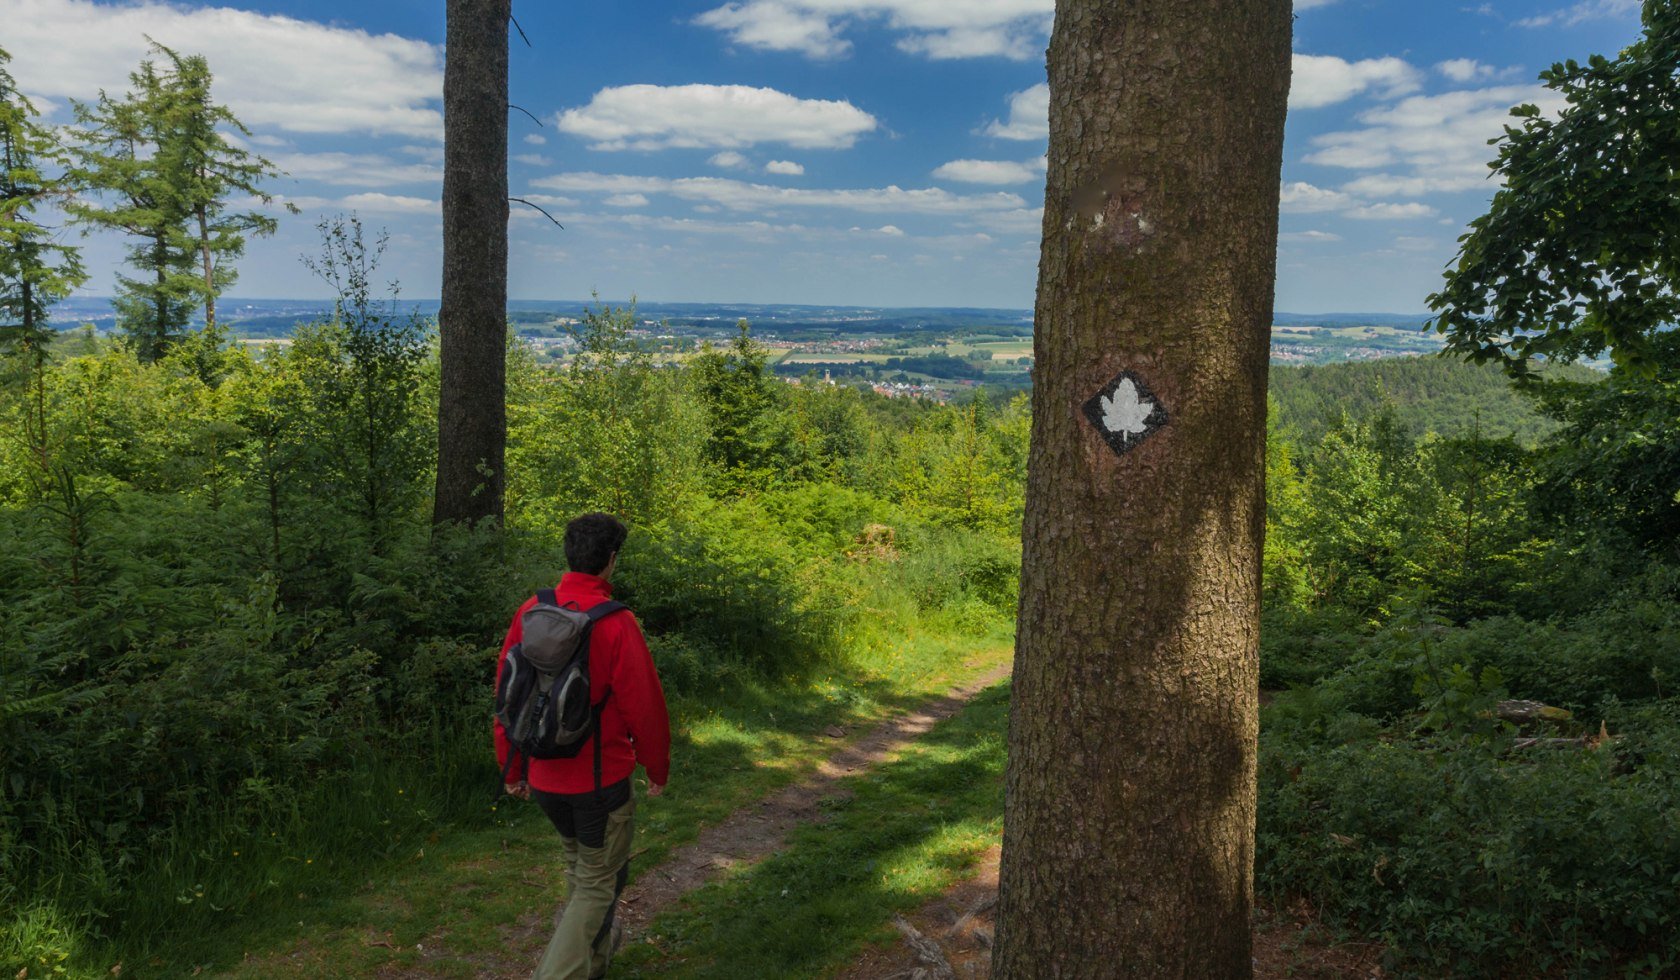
[1439,395]
[278,317]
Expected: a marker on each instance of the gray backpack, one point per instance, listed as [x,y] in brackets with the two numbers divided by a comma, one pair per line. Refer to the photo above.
[543,700]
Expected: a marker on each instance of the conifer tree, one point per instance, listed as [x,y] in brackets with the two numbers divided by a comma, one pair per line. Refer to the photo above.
[734,387]
[211,169]
[118,159]
[35,270]
[160,169]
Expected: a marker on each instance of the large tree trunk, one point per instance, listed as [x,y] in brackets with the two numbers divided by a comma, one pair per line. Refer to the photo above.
[1129,820]
[472,392]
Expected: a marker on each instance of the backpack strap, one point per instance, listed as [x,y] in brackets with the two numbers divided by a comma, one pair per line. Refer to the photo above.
[547,597]
[601,610]
[596,613]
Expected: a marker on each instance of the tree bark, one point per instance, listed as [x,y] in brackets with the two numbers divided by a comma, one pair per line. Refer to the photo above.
[472,319]
[1129,814]
[209,271]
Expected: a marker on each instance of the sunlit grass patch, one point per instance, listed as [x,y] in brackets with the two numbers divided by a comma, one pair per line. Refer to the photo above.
[911,829]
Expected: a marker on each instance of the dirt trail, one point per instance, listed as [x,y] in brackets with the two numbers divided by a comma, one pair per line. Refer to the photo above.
[951,936]
[753,832]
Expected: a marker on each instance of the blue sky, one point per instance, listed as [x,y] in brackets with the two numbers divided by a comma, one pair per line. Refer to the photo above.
[860,152]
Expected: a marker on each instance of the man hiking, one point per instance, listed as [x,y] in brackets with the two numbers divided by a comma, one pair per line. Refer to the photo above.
[588,795]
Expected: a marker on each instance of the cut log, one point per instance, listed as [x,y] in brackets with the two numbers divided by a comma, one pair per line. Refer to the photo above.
[1523,712]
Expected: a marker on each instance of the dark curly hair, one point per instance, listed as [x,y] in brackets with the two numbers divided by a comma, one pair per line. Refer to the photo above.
[591,541]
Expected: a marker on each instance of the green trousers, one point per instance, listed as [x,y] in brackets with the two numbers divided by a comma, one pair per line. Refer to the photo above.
[582,944]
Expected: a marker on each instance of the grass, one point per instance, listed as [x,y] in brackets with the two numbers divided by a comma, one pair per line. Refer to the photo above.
[229,874]
[912,828]
[1007,348]
[407,866]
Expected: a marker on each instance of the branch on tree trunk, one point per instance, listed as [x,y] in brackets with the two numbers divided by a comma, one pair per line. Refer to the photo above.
[539,207]
[521,108]
[515,22]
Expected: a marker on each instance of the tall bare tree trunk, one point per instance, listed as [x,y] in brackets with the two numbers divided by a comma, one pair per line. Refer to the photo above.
[472,390]
[209,270]
[1129,821]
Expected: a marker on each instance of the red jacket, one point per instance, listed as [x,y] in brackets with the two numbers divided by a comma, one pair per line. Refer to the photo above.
[634,726]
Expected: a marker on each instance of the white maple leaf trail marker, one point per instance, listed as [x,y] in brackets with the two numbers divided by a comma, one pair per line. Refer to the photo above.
[1125,412]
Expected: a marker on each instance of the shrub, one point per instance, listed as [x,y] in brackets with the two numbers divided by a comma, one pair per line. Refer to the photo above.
[726,577]
[1469,858]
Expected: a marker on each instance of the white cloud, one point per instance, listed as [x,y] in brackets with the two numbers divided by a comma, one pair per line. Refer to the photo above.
[1582,12]
[356,169]
[372,203]
[1300,197]
[1322,80]
[586,182]
[990,171]
[1466,70]
[1391,212]
[389,203]
[1010,42]
[532,159]
[785,167]
[891,231]
[1309,236]
[759,231]
[550,200]
[1392,185]
[626,201]
[535,139]
[938,29]
[1427,143]
[656,117]
[729,160]
[273,71]
[739,195]
[1029,115]
[1015,221]
[777,27]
